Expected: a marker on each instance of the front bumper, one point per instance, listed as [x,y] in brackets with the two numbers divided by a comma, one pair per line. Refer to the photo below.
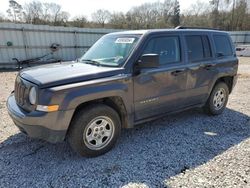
[51,126]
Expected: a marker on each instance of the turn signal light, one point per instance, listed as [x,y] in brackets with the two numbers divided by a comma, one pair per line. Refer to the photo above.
[51,108]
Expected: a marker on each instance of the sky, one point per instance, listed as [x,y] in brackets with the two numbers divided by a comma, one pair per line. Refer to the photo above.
[86,7]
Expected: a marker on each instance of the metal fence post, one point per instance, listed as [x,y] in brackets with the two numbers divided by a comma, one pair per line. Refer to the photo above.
[76,45]
[245,38]
[25,43]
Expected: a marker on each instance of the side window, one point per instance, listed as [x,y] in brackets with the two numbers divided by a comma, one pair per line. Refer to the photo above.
[198,47]
[222,45]
[168,49]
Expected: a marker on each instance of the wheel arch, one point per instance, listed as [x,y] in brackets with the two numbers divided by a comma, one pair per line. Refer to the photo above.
[115,102]
[228,80]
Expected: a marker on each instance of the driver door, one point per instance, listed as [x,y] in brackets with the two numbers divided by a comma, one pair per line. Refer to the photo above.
[162,89]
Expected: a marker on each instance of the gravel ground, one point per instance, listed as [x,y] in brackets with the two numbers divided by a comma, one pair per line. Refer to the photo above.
[189,149]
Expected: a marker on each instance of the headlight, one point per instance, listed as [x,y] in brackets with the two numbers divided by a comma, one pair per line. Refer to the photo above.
[32,95]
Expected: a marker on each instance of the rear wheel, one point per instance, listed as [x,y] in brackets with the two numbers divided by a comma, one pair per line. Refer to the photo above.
[94,130]
[217,100]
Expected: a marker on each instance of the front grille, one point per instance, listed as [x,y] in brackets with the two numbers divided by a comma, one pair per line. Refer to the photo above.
[21,93]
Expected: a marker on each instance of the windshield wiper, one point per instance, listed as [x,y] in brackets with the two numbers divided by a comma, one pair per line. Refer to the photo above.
[90,61]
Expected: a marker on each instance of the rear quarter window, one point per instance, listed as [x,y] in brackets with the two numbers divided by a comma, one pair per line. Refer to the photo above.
[222,45]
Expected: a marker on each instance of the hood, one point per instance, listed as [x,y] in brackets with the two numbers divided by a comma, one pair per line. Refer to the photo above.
[66,73]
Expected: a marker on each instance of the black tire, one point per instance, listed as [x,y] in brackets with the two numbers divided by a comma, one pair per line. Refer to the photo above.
[210,107]
[82,122]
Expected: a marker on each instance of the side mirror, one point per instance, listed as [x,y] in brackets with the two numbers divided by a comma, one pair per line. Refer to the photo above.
[149,61]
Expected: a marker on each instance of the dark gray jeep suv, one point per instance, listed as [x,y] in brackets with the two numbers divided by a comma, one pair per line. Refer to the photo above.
[124,79]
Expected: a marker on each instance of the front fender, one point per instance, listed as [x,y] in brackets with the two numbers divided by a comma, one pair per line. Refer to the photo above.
[75,98]
[72,95]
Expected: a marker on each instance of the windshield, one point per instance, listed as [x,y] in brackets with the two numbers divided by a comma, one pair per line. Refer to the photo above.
[110,50]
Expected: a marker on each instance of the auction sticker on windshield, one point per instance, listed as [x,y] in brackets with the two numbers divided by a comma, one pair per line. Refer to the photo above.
[125,40]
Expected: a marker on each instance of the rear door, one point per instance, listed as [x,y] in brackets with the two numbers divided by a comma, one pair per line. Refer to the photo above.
[201,67]
[162,89]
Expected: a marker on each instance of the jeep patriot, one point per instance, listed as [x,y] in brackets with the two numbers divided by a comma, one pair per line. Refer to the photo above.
[124,79]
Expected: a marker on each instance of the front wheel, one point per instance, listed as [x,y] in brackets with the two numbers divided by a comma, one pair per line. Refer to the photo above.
[217,100]
[94,130]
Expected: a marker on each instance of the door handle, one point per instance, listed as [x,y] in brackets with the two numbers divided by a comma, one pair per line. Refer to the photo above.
[194,68]
[177,72]
[208,66]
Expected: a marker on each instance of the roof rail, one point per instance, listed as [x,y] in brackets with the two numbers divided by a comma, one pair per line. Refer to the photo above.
[184,27]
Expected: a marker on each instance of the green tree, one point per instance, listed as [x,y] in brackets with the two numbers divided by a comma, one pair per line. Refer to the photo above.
[176,14]
[101,17]
[240,15]
[15,11]
[118,20]
[215,12]
[79,21]
[2,18]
